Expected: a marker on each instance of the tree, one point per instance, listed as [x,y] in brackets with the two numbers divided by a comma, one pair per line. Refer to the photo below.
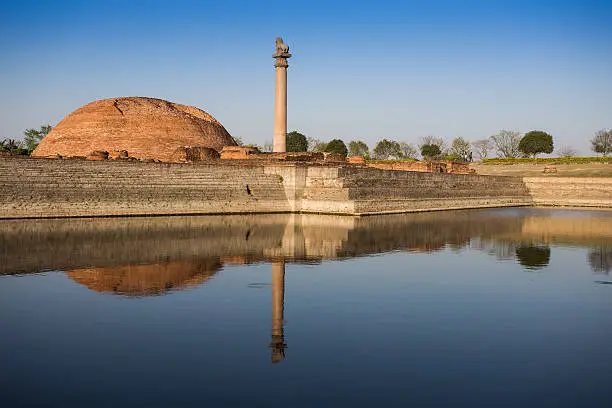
[13,146]
[536,141]
[336,146]
[566,151]
[408,150]
[268,147]
[430,151]
[315,145]
[358,148]
[600,259]
[602,142]
[482,148]
[433,140]
[506,142]
[238,140]
[32,137]
[461,149]
[386,149]
[296,142]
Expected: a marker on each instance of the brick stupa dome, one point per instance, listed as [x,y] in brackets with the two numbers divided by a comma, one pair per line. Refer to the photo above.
[145,127]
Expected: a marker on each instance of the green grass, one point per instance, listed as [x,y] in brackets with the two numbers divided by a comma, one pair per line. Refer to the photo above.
[391,161]
[549,160]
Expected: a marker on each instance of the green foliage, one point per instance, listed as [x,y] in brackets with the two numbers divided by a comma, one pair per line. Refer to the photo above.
[453,157]
[533,257]
[392,160]
[358,148]
[238,140]
[430,151]
[296,142]
[535,142]
[461,150]
[602,142]
[550,160]
[336,146]
[32,137]
[386,149]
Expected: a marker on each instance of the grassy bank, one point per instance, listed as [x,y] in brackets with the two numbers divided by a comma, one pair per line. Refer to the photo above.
[579,167]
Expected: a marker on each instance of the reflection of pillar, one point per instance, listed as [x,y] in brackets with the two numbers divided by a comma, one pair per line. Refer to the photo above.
[280,96]
[278,298]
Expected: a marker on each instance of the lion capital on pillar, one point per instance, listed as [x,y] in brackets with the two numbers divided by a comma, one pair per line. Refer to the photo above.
[282,53]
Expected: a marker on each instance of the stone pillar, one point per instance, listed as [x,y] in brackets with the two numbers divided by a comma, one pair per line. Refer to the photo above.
[280,96]
[278,306]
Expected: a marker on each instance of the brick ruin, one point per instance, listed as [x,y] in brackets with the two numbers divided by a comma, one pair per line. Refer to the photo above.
[155,130]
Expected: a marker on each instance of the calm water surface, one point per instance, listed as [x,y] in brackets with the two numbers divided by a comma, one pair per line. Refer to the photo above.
[491,308]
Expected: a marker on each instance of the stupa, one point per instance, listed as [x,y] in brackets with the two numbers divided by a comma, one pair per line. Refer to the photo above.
[147,128]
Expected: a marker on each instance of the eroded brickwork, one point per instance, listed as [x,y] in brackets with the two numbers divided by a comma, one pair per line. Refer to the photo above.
[32,187]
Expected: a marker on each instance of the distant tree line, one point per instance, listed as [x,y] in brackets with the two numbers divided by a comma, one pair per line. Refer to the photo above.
[504,144]
[31,139]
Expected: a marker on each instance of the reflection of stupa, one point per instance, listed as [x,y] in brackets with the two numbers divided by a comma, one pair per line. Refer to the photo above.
[146,280]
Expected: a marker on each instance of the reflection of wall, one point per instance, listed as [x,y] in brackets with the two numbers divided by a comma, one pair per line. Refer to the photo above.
[567,227]
[36,245]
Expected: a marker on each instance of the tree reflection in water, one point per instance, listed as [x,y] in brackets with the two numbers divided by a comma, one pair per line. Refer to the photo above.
[600,259]
[533,257]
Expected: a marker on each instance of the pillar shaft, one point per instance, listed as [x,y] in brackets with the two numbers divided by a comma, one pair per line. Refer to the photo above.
[280,110]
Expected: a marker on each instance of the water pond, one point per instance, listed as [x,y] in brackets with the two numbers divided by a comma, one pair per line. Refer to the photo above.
[483,308]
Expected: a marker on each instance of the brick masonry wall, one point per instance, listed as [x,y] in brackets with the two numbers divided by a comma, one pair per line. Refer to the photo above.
[570,191]
[60,188]
[31,188]
[368,190]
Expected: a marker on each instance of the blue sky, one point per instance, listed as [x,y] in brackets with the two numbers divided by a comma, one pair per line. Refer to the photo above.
[361,69]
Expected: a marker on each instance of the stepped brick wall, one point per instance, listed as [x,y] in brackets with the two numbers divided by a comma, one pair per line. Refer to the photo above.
[31,188]
[60,188]
[357,190]
[570,191]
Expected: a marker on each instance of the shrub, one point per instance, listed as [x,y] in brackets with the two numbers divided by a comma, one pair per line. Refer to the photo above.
[296,142]
[336,146]
[430,151]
